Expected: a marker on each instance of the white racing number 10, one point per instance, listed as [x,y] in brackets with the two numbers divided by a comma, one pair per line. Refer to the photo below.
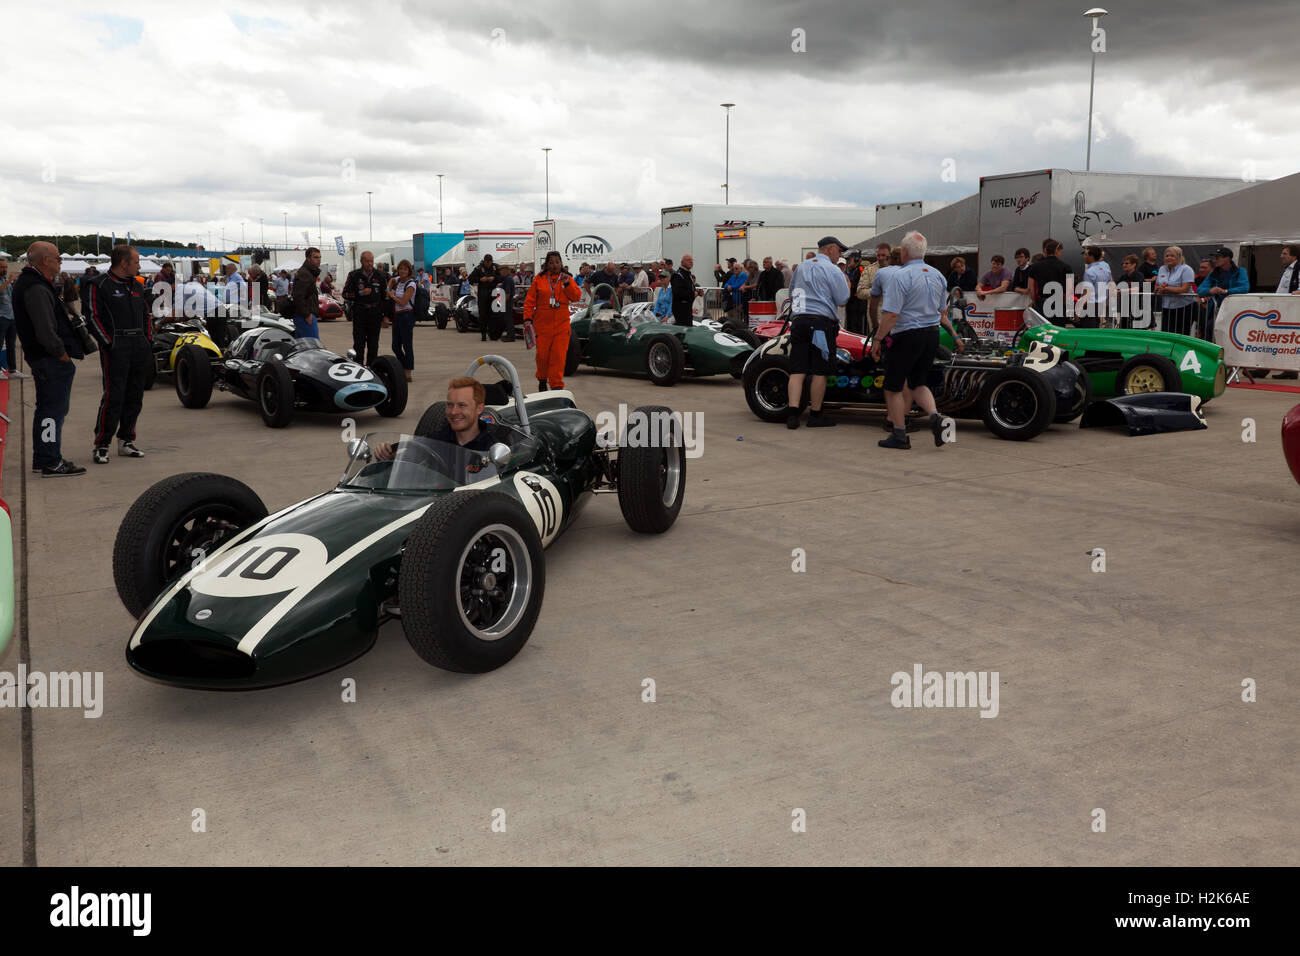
[264,565]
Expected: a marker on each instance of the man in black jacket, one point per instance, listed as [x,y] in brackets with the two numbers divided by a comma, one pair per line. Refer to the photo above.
[684,292]
[483,280]
[306,300]
[364,289]
[121,319]
[49,344]
[770,281]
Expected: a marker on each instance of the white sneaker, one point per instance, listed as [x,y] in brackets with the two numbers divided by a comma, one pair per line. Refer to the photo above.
[100,456]
[127,449]
[4,376]
[19,375]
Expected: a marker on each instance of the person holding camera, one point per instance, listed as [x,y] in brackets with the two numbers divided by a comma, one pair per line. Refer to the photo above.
[50,343]
[365,289]
[119,310]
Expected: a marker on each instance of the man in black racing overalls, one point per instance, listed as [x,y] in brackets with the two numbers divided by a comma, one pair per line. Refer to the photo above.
[120,319]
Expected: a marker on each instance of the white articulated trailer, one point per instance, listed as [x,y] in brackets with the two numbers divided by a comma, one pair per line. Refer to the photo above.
[694,229]
[1022,209]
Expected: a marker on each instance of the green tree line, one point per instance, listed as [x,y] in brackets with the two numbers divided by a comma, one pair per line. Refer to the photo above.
[17,245]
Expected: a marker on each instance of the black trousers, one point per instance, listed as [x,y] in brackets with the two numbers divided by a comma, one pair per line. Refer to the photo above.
[855,315]
[124,365]
[365,335]
[490,322]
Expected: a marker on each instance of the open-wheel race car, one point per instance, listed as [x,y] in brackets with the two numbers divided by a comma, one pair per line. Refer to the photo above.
[329,308]
[632,339]
[1017,396]
[1133,361]
[170,336]
[283,374]
[464,314]
[444,538]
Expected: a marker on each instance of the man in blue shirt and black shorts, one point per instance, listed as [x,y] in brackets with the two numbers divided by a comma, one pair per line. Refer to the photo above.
[909,334]
[817,291]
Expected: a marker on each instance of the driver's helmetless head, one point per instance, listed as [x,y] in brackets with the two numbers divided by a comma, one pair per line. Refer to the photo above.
[465,400]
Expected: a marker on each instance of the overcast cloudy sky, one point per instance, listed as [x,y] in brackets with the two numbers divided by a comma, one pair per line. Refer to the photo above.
[178,119]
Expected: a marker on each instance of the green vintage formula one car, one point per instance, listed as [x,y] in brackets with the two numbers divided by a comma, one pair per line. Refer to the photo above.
[632,339]
[1132,361]
[446,539]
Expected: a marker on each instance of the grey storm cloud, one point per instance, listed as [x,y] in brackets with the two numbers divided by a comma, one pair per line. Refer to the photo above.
[932,38]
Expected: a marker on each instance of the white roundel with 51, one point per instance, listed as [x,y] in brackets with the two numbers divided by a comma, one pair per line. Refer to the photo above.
[726,338]
[350,372]
[266,565]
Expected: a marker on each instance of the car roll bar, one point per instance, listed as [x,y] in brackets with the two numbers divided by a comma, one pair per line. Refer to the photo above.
[506,368]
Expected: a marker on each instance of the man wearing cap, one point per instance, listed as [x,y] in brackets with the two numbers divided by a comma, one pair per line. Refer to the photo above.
[1225,279]
[909,339]
[483,280]
[816,293]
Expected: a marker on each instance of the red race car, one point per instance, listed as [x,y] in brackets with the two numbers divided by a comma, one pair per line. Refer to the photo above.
[850,341]
[1291,441]
[330,308]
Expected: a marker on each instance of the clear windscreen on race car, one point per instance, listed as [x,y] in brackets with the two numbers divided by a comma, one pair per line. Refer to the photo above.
[390,461]
[641,313]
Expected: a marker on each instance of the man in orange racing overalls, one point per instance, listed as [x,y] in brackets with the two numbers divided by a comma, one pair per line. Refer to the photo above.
[547,306]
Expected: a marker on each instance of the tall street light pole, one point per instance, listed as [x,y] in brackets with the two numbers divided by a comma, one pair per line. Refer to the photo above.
[1095,14]
[319,240]
[241,234]
[546,151]
[262,225]
[286,229]
[440,175]
[726,185]
[371,213]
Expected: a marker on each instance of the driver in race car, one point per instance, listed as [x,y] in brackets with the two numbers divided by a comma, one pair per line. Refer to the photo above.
[465,401]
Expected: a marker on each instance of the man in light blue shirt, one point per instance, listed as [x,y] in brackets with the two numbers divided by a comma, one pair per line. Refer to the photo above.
[817,291]
[909,339]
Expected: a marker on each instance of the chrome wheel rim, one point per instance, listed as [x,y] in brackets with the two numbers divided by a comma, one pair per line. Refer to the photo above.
[494,580]
[661,360]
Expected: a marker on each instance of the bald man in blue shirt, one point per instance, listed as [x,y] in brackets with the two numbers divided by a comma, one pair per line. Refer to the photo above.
[909,333]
